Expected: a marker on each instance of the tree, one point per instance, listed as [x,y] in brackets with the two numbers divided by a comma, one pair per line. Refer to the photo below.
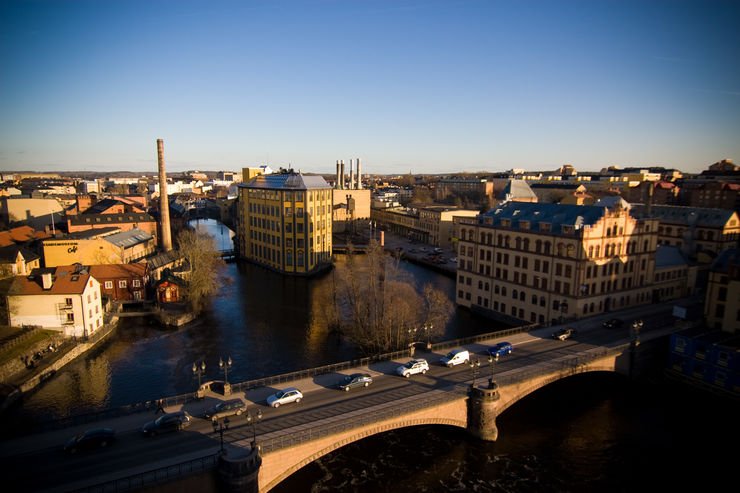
[379,308]
[206,267]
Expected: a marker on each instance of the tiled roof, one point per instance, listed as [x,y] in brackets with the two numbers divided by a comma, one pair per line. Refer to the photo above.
[163,259]
[21,234]
[728,257]
[127,239]
[10,253]
[67,279]
[517,189]
[116,271]
[685,215]
[537,213]
[669,256]
[288,181]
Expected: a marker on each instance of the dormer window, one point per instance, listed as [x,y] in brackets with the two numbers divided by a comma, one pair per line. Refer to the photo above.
[506,222]
[546,227]
[567,230]
[524,224]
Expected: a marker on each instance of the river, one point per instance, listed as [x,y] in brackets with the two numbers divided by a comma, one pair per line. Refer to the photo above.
[595,432]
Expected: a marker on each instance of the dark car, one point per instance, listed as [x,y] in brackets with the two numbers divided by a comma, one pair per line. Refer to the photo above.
[355,380]
[90,439]
[564,334]
[500,349]
[169,422]
[226,408]
[613,323]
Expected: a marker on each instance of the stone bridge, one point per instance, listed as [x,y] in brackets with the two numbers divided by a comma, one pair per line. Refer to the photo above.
[471,407]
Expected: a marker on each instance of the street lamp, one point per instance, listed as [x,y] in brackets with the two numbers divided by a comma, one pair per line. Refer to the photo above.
[199,370]
[474,366]
[220,427]
[491,362]
[412,336]
[225,368]
[427,330]
[253,420]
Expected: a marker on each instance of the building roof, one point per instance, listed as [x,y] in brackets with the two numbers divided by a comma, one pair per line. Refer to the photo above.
[10,253]
[89,234]
[728,258]
[66,279]
[288,181]
[685,215]
[127,239]
[516,190]
[102,206]
[116,271]
[558,185]
[669,256]
[21,234]
[536,214]
[126,217]
[163,259]
[611,201]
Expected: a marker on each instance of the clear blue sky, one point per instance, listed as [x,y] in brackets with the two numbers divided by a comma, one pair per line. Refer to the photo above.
[420,86]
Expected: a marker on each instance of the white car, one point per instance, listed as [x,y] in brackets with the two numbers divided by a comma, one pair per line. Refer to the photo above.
[456,357]
[413,367]
[286,396]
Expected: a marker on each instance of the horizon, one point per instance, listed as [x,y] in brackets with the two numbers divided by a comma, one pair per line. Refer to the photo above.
[424,87]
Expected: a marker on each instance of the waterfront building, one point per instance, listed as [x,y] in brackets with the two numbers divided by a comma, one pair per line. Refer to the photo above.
[542,263]
[285,222]
[350,205]
[65,298]
[436,223]
[400,221]
[722,305]
[710,358]
[675,277]
[122,282]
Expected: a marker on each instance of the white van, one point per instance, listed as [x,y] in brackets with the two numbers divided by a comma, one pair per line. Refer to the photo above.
[456,357]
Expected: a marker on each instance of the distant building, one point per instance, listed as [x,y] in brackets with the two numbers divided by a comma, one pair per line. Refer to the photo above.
[66,299]
[349,205]
[675,277]
[461,187]
[122,282]
[556,191]
[37,213]
[98,246]
[517,191]
[285,222]
[437,224]
[653,192]
[124,221]
[713,194]
[17,260]
[707,357]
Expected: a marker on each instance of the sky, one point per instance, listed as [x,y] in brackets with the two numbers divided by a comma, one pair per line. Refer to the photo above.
[408,86]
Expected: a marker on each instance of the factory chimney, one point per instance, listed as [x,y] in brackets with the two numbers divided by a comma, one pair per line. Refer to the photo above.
[336,185]
[165,238]
[359,175]
[351,176]
[342,181]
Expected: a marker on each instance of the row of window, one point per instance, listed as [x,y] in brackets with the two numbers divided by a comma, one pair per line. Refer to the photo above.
[135,283]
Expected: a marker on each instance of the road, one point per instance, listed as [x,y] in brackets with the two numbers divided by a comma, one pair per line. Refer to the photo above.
[37,463]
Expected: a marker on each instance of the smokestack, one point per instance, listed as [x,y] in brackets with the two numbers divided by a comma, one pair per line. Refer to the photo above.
[342,181]
[164,205]
[359,175]
[351,176]
[336,185]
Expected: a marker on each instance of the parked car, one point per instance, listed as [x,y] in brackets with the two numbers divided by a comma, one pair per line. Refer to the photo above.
[355,380]
[500,349]
[225,408]
[453,259]
[456,357]
[168,422]
[286,396]
[613,323]
[413,367]
[90,439]
[564,334]
[438,250]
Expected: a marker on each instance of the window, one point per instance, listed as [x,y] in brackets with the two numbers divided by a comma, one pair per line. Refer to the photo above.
[108,284]
[68,301]
[136,283]
[122,284]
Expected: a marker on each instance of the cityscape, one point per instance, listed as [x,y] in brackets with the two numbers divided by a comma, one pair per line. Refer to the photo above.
[297,246]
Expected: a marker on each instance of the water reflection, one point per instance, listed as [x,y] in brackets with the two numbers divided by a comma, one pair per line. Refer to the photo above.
[267,323]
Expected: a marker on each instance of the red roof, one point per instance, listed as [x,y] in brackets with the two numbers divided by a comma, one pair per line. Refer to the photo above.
[65,280]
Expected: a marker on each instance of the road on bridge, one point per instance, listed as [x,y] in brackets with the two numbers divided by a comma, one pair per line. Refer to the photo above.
[37,463]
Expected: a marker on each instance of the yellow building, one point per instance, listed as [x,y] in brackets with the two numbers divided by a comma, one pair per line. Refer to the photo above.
[285,222]
[437,222]
[546,262]
[99,246]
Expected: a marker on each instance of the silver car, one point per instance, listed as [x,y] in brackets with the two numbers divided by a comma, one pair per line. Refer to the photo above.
[286,396]
[413,367]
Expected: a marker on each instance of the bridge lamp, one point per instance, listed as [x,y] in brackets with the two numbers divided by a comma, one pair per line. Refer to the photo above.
[475,366]
[199,370]
[253,420]
[219,427]
[225,368]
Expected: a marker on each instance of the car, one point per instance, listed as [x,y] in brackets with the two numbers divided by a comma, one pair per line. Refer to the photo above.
[413,367]
[613,323]
[500,349]
[438,250]
[455,357]
[412,250]
[90,439]
[453,259]
[168,422]
[355,380]
[564,334]
[225,408]
[286,396]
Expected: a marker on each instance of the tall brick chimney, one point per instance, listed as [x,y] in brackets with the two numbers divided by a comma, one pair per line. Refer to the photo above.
[165,238]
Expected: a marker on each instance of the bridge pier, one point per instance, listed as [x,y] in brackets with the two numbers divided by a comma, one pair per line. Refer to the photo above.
[482,411]
[239,471]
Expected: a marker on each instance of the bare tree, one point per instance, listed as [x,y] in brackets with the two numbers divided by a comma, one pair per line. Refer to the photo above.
[378,305]
[206,267]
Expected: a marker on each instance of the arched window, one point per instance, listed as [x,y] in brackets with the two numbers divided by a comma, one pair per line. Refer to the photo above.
[561,250]
[521,296]
[518,243]
[547,247]
[515,294]
[507,241]
[526,244]
[571,251]
[538,246]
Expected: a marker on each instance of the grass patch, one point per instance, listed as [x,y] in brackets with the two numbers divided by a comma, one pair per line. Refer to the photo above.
[7,332]
[22,348]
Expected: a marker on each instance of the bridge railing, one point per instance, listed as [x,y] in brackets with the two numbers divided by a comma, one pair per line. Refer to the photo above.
[176,400]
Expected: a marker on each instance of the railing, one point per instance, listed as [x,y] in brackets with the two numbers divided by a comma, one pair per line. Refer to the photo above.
[150,405]
[156,476]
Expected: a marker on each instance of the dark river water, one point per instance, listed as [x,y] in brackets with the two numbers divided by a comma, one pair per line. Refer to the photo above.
[596,432]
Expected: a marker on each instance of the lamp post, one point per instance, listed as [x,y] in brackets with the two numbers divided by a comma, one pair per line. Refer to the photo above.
[219,427]
[253,420]
[412,336]
[427,330]
[199,370]
[474,366]
[225,368]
